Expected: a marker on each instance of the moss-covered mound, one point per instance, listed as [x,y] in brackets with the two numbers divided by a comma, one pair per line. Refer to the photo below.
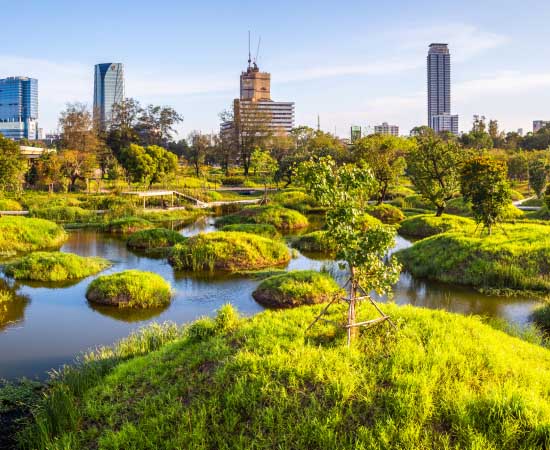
[261,229]
[55,266]
[513,258]
[298,200]
[154,238]
[20,234]
[229,251]
[316,241]
[127,225]
[281,218]
[130,289]
[8,204]
[386,213]
[443,381]
[426,225]
[296,288]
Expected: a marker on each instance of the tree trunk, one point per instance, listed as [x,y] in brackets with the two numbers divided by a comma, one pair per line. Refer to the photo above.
[352,331]
[440,210]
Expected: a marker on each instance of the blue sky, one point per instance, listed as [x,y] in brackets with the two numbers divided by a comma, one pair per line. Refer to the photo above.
[351,62]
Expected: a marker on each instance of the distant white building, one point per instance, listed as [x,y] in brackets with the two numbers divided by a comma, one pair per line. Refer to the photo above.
[538,124]
[445,122]
[385,128]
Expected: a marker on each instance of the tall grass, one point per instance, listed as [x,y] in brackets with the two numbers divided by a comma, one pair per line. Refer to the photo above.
[20,234]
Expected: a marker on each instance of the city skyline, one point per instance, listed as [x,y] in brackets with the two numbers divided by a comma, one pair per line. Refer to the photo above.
[359,75]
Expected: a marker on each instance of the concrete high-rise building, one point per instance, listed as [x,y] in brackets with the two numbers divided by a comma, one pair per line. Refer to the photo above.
[439,89]
[108,90]
[392,130]
[538,124]
[19,108]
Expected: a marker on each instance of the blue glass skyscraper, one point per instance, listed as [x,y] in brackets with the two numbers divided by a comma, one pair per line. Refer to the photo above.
[19,107]
[108,90]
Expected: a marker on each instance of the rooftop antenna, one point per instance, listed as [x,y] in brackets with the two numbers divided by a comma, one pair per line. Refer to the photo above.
[249,57]
[318,122]
[257,52]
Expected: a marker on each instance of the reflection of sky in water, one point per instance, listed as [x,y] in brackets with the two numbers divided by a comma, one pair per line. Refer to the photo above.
[58,323]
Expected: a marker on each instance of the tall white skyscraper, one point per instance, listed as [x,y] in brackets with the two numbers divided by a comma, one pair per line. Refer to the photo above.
[108,90]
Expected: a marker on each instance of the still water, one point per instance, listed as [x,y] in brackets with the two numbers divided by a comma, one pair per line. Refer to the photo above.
[49,325]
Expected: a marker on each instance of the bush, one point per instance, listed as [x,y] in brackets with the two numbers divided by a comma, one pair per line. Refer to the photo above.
[296,288]
[317,241]
[55,266]
[428,225]
[71,214]
[514,258]
[228,251]
[387,213]
[20,234]
[115,205]
[234,180]
[281,218]
[516,195]
[7,204]
[154,238]
[130,289]
[443,381]
[261,229]
[127,225]
[541,317]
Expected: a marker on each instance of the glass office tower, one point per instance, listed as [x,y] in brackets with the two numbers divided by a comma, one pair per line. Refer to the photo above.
[108,90]
[19,107]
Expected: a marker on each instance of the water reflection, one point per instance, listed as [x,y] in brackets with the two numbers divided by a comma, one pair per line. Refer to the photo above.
[12,311]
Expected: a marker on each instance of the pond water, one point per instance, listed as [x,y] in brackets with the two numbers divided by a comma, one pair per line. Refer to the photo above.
[49,325]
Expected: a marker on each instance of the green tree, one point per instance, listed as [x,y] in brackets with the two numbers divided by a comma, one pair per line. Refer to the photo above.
[345,191]
[148,165]
[264,166]
[483,183]
[77,165]
[538,176]
[78,131]
[434,168]
[12,165]
[48,169]
[198,150]
[518,167]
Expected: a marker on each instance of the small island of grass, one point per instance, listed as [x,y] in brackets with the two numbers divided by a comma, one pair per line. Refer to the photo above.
[281,218]
[261,229]
[296,288]
[130,289]
[425,225]
[127,225]
[228,251]
[387,213]
[20,234]
[316,242]
[154,238]
[55,266]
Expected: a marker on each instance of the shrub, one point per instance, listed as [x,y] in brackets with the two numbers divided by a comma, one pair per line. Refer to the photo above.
[541,317]
[261,229]
[130,289]
[127,225]
[115,205]
[7,204]
[296,288]
[317,241]
[55,266]
[64,214]
[387,213]
[228,251]
[234,180]
[280,218]
[428,224]
[20,234]
[154,238]
[516,195]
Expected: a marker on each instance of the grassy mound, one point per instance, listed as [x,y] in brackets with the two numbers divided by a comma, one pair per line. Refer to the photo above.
[281,218]
[387,213]
[296,288]
[127,225]
[261,229]
[7,204]
[297,200]
[154,238]
[316,241]
[130,289]
[428,225]
[513,258]
[443,381]
[19,234]
[229,251]
[71,214]
[55,266]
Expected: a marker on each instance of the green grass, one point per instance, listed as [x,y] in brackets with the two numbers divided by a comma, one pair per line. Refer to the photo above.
[70,214]
[8,204]
[127,225]
[428,225]
[513,259]
[296,288]
[297,200]
[20,234]
[541,317]
[442,381]
[316,241]
[228,251]
[534,201]
[261,229]
[281,218]
[130,289]
[55,266]
[154,238]
[386,213]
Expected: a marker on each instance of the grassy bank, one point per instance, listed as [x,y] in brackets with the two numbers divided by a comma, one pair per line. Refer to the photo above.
[425,225]
[281,218]
[442,381]
[514,258]
[316,241]
[228,251]
[20,234]
[154,238]
[261,229]
[55,266]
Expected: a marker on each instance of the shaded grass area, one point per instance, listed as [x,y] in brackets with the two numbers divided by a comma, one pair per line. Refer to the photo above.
[21,234]
[514,258]
[126,225]
[386,213]
[316,241]
[441,381]
[228,251]
[261,229]
[281,218]
[541,317]
[296,288]
[55,266]
[154,238]
[294,199]
[428,225]
[130,289]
